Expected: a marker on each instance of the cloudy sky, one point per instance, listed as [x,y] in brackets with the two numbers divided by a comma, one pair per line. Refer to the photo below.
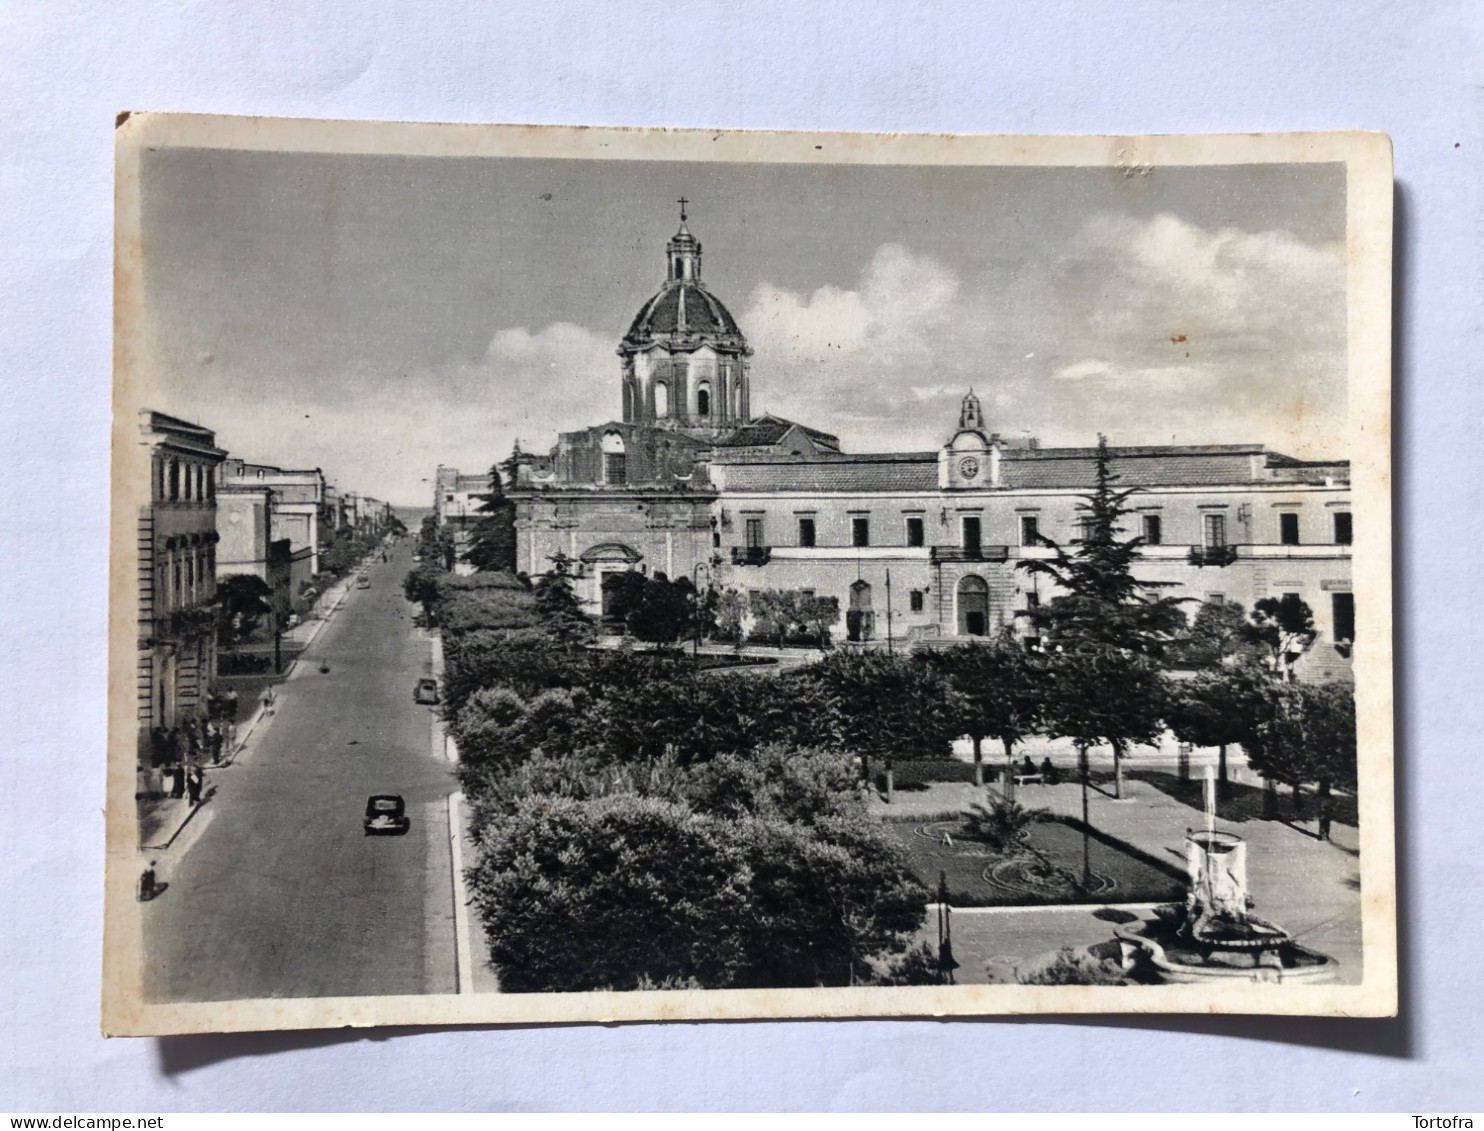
[377,316]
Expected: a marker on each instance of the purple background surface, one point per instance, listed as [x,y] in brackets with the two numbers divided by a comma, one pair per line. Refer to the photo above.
[1057,66]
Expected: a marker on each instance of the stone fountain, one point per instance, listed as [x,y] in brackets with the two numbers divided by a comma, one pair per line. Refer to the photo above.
[1215,938]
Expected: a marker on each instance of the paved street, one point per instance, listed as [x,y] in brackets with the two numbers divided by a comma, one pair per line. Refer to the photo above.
[274,889]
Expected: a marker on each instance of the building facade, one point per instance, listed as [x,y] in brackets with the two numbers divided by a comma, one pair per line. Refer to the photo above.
[246,545]
[298,502]
[916,546]
[177,573]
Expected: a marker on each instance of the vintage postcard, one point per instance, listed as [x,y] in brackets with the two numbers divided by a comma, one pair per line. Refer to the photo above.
[568,574]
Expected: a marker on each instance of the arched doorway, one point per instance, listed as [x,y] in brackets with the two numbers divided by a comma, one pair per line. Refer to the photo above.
[860,619]
[973,606]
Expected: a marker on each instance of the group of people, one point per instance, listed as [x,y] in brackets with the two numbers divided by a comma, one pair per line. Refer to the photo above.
[182,751]
[193,742]
[1050,775]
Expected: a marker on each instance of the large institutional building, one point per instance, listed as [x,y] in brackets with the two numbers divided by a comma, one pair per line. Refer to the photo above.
[918,546]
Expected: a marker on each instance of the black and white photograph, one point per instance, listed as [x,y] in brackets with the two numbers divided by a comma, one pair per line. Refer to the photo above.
[594,574]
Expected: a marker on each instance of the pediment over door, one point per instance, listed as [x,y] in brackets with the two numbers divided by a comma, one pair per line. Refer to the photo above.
[611,552]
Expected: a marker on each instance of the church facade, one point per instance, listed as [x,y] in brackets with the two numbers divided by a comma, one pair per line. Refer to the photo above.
[918,547]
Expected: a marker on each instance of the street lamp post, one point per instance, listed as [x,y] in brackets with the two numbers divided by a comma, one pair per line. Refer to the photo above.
[696,607]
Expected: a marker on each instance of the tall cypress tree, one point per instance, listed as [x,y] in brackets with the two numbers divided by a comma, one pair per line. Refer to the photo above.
[492,542]
[1104,614]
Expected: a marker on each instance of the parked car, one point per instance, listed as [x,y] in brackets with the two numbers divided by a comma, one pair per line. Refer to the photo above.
[363,582]
[386,815]
[426,691]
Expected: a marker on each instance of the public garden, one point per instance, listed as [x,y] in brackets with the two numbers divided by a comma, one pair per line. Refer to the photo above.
[642,819]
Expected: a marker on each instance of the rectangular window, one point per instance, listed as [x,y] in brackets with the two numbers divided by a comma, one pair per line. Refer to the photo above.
[914,599]
[1215,598]
[1215,530]
[614,470]
[914,530]
[1152,530]
[806,532]
[1029,530]
[1342,607]
[1288,529]
[754,533]
[807,594]
[971,533]
[1033,600]
[860,531]
[1343,530]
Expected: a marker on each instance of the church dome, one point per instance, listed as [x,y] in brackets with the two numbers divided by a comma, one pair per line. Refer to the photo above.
[684,313]
[685,361]
[682,309]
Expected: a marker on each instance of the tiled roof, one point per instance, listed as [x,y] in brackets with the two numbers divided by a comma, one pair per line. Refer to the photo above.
[915,471]
[1148,467]
[1036,469]
[682,308]
[1195,465]
[769,430]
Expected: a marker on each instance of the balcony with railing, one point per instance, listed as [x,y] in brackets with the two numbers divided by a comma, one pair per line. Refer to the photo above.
[969,553]
[751,555]
[1212,555]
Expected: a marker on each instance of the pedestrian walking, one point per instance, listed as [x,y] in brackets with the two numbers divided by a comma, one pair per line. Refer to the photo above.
[147,889]
[177,781]
[194,781]
[214,733]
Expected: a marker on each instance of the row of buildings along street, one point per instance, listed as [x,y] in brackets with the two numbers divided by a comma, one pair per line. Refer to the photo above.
[232,555]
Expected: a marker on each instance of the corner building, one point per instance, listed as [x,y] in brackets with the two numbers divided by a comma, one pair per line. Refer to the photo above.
[920,547]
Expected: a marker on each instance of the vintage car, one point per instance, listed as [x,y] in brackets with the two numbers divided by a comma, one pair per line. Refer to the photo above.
[386,815]
[363,582]
[426,691]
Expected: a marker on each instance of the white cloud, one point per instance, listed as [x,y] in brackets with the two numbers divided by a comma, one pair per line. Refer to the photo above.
[1081,369]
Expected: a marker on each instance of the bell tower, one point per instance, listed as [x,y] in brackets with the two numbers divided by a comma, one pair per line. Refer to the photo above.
[970,414]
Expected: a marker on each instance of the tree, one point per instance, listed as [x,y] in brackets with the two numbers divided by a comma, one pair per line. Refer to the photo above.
[492,540]
[889,707]
[1100,695]
[1102,602]
[558,607]
[421,586]
[628,891]
[1218,633]
[1000,691]
[1285,627]
[664,610]
[622,592]
[731,607]
[1103,608]
[1003,823]
[1219,708]
[244,600]
[1308,735]
[817,615]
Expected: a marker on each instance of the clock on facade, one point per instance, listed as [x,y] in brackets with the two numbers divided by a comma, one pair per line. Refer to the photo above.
[968,467]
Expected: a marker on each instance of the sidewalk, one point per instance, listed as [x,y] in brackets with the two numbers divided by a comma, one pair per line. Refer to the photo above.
[161,820]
